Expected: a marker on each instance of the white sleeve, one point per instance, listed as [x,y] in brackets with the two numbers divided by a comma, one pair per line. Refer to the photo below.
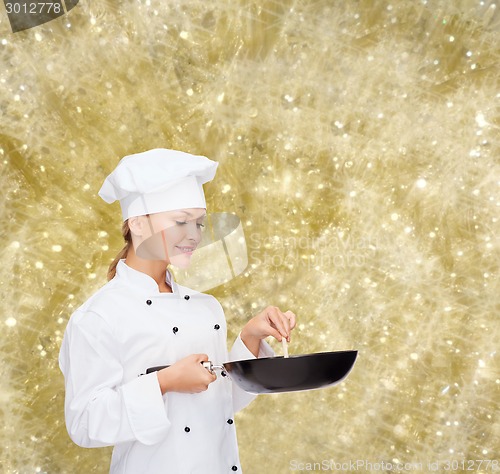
[241,352]
[100,409]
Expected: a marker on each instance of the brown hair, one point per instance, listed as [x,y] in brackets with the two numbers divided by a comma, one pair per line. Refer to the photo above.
[127,236]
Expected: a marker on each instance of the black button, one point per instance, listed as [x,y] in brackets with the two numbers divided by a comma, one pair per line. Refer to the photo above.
[149,302]
[175,329]
[186,297]
[187,429]
[229,422]
[223,373]
[217,327]
[234,468]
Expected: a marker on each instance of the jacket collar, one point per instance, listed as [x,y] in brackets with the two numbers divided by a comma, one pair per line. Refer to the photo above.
[142,281]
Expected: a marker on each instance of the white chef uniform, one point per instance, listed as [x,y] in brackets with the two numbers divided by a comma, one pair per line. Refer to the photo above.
[125,328]
[129,326]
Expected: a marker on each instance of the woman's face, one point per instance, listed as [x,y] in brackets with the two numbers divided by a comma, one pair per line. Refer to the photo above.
[171,236]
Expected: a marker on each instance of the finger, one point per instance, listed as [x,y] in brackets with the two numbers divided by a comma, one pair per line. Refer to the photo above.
[277,321]
[285,323]
[201,357]
[273,332]
[291,318]
[209,377]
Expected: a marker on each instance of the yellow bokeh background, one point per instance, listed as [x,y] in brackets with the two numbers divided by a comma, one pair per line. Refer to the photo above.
[358,143]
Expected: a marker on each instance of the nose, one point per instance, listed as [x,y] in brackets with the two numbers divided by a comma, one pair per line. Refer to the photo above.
[193,232]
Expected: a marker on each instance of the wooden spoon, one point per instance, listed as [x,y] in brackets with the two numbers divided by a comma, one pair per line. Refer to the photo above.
[285,347]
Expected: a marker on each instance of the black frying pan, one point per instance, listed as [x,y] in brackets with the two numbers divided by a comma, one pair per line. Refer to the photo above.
[290,374]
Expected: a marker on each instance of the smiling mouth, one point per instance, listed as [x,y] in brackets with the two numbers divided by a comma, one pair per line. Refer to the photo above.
[185,249]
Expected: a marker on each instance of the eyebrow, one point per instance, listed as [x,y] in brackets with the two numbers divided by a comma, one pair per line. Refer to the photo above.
[189,214]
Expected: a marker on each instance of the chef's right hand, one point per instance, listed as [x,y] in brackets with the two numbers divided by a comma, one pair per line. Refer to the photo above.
[187,375]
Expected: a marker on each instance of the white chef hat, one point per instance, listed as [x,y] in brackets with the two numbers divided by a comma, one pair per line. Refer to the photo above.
[158,180]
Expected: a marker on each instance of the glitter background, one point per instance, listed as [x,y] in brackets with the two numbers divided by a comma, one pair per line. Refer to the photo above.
[358,142]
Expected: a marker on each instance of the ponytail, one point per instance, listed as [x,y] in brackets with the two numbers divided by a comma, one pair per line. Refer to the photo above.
[127,236]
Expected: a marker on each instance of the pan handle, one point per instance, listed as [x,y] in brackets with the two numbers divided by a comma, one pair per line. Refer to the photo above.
[207,364]
[211,367]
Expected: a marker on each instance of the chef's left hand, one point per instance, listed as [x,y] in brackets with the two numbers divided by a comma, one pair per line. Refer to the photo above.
[270,322]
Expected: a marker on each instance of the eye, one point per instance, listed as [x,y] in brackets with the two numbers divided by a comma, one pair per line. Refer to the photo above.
[184,223]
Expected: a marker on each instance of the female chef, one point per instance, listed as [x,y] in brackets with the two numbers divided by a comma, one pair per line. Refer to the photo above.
[179,419]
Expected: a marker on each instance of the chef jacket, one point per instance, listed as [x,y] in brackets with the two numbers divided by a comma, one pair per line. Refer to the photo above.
[126,327]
